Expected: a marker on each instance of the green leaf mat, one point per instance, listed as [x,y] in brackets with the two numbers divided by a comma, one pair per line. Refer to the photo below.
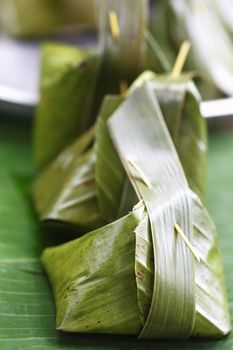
[27,315]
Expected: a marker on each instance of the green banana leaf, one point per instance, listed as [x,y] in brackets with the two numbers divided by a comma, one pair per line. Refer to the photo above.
[63,113]
[46,16]
[205,242]
[134,50]
[91,74]
[66,191]
[208,272]
[26,301]
[70,197]
[70,193]
[158,25]
[166,195]
[93,296]
[179,101]
[115,201]
[83,271]
[155,60]
[123,55]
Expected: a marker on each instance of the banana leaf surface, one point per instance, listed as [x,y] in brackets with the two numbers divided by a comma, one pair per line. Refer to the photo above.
[123,53]
[63,113]
[27,315]
[179,101]
[111,196]
[181,292]
[91,74]
[135,111]
[72,197]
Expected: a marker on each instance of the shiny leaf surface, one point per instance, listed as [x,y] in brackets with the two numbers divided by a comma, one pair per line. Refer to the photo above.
[21,243]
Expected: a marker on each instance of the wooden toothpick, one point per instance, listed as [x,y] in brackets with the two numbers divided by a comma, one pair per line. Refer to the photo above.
[140,172]
[185,239]
[114,24]
[181,58]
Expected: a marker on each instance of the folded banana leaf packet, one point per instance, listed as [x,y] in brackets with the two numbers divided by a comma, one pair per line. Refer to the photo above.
[154,269]
[75,80]
[77,188]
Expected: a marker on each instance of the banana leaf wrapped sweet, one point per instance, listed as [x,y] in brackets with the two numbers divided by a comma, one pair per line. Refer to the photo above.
[156,272]
[41,17]
[77,188]
[87,75]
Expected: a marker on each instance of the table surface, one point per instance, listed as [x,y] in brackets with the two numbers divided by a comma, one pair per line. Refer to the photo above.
[26,305]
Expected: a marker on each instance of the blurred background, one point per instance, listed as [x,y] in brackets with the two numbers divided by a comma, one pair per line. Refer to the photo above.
[25,24]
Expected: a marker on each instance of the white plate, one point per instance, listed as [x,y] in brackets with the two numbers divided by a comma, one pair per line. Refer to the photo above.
[19,77]
[19,74]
